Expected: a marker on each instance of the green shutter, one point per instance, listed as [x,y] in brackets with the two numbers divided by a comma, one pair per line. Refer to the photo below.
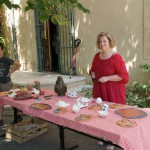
[65,43]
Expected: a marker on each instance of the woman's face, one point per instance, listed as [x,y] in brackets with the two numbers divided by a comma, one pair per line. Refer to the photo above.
[104,43]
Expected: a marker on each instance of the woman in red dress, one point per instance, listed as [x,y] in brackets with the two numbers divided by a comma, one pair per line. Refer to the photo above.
[108,71]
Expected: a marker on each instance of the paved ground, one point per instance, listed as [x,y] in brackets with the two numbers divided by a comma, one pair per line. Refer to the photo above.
[50,140]
[46,79]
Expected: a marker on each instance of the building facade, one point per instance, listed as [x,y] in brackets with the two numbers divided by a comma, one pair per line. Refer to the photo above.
[33,43]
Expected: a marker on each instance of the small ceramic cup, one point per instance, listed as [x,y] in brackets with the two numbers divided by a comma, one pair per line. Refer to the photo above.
[105,107]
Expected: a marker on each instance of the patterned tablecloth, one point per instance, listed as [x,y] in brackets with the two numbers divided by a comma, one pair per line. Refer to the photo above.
[136,138]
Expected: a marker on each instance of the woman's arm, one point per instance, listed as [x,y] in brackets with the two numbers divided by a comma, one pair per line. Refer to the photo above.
[110,78]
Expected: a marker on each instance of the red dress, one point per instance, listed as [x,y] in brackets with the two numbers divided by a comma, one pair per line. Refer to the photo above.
[112,91]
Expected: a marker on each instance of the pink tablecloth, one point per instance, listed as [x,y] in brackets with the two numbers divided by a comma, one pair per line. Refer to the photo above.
[136,138]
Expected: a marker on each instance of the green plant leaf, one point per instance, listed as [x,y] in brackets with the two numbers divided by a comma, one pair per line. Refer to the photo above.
[79,6]
[15,6]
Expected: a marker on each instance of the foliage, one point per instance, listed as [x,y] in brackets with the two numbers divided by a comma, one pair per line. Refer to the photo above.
[8,4]
[89,93]
[2,41]
[53,9]
[146,67]
[139,94]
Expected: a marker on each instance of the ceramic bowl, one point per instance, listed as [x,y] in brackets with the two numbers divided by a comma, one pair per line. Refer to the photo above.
[103,113]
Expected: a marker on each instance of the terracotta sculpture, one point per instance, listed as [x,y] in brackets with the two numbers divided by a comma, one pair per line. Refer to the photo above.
[60,87]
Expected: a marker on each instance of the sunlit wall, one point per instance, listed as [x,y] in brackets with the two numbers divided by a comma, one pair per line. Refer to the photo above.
[25,35]
[128,21]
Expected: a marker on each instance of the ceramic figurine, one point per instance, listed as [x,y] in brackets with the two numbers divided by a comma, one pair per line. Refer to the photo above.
[36,85]
[60,87]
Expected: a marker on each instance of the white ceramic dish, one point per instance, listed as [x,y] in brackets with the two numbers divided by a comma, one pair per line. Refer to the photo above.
[76,108]
[103,113]
[12,95]
[83,99]
[62,104]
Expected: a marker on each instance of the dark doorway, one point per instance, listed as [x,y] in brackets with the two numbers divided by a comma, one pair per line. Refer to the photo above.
[46,41]
[50,44]
[55,44]
[54,47]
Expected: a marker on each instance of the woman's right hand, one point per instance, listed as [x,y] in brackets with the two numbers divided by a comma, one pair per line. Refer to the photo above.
[93,75]
[103,79]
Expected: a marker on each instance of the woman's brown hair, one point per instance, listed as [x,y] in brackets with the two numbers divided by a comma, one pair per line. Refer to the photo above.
[111,39]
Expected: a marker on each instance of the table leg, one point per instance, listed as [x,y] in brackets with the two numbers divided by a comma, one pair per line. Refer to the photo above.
[15,115]
[3,135]
[61,137]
